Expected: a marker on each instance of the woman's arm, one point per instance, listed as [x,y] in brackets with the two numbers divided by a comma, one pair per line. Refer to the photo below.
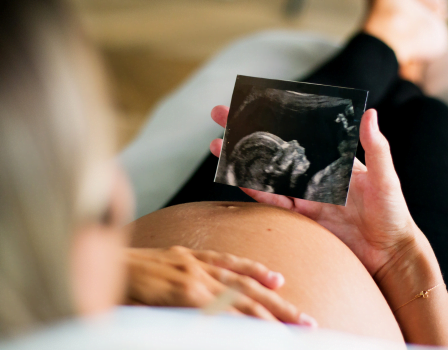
[182,277]
[422,320]
[377,226]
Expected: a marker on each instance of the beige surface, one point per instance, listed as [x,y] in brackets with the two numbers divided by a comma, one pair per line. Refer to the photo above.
[151,46]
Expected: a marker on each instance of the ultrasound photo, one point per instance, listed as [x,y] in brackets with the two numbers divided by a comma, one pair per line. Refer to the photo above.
[290,138]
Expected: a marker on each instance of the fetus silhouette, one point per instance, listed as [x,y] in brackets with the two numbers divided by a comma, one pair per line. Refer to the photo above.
[264,162]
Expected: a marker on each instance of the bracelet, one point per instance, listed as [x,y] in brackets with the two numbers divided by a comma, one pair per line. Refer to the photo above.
[423,294]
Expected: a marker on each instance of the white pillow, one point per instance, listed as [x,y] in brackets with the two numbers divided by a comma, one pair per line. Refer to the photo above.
[160,328]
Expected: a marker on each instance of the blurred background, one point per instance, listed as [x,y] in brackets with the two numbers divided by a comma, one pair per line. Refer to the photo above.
[152,46]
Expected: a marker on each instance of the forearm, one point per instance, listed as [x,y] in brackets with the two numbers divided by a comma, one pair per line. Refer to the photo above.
[424,320]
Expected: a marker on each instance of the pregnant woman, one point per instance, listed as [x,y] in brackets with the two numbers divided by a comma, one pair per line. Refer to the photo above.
[366,268]
[63,205]
[357,278]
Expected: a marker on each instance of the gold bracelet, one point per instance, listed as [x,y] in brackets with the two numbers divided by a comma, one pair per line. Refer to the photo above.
[423,294]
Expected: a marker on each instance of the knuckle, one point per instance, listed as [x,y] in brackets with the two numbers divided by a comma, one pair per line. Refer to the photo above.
[245,262]
[228,259]
[178,249]
[207,256]
[222,275]
[191,268]
[191,293]
[207,252]
[228,278]
[247,282]
[256,308]
[259,267]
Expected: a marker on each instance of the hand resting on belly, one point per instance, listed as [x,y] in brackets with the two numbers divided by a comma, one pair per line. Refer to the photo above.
[323,277]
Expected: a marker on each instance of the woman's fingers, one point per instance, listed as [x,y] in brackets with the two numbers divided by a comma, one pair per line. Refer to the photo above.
[242,266]
[358,167]
[182,277]
[271,301]
[220,114]
[377,151]
[301,206]
[250,307]
[270,198]
[215,147]
[312,210]
[250,279]
[243,304]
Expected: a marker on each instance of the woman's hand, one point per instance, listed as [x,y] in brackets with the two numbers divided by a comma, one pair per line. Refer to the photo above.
[376,224]
[182,277]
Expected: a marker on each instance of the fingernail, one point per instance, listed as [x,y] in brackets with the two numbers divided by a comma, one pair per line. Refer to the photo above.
[374,121]
[308,321]
[276,278]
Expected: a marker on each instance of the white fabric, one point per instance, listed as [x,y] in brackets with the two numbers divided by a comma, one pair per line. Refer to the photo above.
[133,328]
[179,130]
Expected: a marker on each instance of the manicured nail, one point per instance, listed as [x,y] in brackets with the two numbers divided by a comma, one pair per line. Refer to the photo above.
[308,321]
[276,278]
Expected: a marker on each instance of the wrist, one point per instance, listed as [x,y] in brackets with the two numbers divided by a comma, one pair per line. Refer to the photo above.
[411,270]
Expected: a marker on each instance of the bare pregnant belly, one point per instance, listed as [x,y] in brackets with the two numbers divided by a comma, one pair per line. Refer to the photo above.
[323,277]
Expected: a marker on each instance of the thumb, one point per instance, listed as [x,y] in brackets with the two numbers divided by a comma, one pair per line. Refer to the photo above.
[377,151]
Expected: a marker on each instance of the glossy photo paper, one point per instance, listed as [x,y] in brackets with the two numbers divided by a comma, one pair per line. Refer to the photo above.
[290,138]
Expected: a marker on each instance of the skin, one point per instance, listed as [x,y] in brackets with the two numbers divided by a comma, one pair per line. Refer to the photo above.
[177,276]
[323,277]
[376,223]
[387,243]
[195,278]
[414,29]
[393,249]
[377,227]
[97,256]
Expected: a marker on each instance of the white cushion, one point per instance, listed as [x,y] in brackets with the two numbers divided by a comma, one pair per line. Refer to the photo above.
[160,328]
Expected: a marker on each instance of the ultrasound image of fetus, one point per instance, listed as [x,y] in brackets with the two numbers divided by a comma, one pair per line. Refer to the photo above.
[264,162]
[293,139]
[330,185]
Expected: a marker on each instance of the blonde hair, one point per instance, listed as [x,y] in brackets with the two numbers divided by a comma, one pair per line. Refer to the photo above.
[54,143]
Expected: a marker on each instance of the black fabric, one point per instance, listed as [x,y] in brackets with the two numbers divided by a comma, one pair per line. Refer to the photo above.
[415,125]
[200,187]
[365,63]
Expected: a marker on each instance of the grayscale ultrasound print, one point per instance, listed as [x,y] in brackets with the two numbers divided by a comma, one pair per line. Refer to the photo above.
[290,138]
